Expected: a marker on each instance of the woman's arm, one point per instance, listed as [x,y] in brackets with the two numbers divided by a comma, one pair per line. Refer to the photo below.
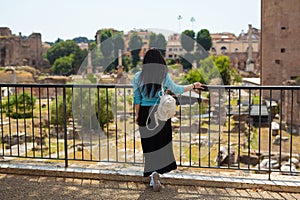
[195,85]
[179,89]
[137,109]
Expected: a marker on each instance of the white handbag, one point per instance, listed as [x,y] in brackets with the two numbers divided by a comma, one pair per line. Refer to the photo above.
[166,109]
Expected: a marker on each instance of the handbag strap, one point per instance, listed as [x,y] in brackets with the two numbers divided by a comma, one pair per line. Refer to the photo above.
[155,117]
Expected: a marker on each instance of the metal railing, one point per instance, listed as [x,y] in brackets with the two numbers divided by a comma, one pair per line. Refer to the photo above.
[252,128]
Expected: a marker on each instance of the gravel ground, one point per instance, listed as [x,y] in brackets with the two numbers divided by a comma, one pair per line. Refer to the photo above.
[39,187]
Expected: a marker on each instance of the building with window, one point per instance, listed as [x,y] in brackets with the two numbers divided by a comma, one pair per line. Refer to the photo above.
[238,48]
[174,48]
[145,36]
[280,50]
[280,44]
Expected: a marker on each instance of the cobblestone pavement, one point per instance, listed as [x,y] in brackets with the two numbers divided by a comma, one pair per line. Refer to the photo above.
[15,187]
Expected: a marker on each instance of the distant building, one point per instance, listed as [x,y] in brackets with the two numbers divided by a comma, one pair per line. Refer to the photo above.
[237,48]
[83,45]
[144,34]
[18,50]
[174,48]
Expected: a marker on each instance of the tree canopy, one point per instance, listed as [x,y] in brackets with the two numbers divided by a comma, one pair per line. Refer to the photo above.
[211,68]
[65,49]
[204,39]
[111,43]
[187,40]
[20,106]
[135,45]
[63,65]
[158,41]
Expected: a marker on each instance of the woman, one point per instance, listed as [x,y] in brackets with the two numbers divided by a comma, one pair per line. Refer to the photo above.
[157,143]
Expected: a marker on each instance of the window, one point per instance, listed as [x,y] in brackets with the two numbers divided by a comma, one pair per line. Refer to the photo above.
[223,49]
[277,61]
[283,28]
[170,49]
[282,50]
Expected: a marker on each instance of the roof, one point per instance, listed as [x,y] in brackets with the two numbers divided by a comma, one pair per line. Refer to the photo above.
[255,81]
[257,110]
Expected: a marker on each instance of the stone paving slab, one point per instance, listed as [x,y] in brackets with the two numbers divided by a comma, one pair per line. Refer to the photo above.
[20,187]
[131,173]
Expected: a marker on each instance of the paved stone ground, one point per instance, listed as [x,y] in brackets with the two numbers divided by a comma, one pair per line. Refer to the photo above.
[15,187]
[42,179]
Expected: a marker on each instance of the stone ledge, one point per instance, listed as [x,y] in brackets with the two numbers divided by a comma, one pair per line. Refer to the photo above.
[136,176]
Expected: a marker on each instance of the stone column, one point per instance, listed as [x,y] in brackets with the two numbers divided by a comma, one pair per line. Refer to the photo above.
[250,62]
[120,57]
[89,64]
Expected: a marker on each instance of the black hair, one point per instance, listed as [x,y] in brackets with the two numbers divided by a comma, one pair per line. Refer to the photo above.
[153,72]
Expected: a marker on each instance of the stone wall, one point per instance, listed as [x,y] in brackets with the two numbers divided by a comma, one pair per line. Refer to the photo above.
[280,44]
[19,50]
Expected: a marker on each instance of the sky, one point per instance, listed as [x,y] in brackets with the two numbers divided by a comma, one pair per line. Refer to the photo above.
[67,19]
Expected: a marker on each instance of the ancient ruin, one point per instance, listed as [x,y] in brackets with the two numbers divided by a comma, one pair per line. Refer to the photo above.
[18,50]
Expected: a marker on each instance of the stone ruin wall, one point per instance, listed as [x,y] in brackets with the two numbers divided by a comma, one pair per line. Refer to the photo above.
[19,50]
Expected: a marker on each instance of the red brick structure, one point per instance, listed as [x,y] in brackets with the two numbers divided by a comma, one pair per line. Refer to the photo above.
[280,44]
[17,50]
[280,50]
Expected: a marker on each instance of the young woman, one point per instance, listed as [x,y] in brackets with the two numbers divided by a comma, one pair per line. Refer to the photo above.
[157,143]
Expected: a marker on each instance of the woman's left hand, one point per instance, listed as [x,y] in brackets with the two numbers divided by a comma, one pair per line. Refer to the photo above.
[200,86]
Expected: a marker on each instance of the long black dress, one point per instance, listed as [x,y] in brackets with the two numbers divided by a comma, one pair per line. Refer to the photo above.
[156,144]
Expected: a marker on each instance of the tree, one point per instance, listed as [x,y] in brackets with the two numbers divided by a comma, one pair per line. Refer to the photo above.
[92,78]
[204,39]
[79,56]
[126,62]
[20,106]
[158,41]
[60,49]
[223,64]
[135,45]
[111,43]
[118,43]
[82,40]
[193,76]
[91,108]
[106,43]
[235,76]
[187,40]
[208,69]
[66,48]
[106,104]
[57,115]
[63,65]
[186,60]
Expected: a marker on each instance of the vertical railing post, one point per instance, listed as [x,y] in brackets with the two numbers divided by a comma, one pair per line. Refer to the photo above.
[270,133]
[65,126]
